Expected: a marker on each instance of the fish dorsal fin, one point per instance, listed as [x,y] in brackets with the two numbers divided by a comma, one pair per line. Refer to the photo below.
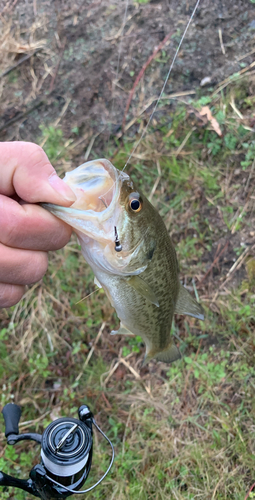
[141,287]
[187,305]
[168,355]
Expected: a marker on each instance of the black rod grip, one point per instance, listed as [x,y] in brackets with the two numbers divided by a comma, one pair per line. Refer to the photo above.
[11,413]
[23,484]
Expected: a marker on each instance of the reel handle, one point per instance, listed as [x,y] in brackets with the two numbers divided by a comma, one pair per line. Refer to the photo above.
[11,414]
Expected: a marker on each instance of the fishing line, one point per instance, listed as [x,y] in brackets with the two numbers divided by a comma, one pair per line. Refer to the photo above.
[160,95]
[164,86]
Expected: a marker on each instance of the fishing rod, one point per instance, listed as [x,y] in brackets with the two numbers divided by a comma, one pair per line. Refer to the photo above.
[66,454]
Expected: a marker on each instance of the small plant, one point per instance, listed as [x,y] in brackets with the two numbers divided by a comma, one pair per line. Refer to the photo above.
[230,141]
[207,370]
[250,155]
[54,142]
[38,365]
[215,145]
[20,463]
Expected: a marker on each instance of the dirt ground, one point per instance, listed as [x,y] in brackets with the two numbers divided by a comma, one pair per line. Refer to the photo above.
[88,54]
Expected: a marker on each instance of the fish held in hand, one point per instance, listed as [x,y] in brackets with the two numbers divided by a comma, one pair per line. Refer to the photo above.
[125,242]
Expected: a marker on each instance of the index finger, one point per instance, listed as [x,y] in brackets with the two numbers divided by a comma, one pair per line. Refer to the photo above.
[25,169]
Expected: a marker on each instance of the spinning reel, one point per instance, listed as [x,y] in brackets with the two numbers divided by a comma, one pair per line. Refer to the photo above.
[66,454]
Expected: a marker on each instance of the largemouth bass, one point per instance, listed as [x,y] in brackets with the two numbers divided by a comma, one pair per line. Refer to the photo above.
[125,242]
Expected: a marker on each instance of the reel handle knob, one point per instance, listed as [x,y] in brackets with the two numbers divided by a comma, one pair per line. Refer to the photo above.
[11,414]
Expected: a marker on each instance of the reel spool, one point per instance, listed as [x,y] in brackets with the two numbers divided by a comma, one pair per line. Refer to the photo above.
[66,454]
[66,451]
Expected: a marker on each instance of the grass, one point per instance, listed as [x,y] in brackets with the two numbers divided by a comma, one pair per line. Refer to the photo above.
[184,431]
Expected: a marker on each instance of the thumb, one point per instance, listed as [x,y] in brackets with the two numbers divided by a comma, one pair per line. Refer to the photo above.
[25,169]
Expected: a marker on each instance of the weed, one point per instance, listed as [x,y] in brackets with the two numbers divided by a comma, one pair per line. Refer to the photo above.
[249,155]
[54,144]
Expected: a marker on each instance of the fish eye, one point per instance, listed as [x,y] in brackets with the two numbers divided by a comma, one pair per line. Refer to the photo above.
[135,205]
[135,202]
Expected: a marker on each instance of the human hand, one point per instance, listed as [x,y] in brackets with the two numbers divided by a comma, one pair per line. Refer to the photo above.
[27,231]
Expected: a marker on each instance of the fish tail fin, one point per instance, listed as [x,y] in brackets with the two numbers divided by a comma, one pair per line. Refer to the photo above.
[187,305]
[168,355]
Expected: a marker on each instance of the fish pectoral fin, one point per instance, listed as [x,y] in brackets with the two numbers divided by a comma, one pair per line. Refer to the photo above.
[97,283]
[187,305]
[141,287]
[168,355]
[121,331]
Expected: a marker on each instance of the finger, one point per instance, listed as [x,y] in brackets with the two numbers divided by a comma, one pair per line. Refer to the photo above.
[10,294]
[21,267]
[25,169]
[31,227]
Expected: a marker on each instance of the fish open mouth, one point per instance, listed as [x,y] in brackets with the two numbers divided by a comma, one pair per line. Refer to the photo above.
[96,185]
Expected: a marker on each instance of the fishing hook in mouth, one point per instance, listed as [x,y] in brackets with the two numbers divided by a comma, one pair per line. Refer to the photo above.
[101,199]
[118,246]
